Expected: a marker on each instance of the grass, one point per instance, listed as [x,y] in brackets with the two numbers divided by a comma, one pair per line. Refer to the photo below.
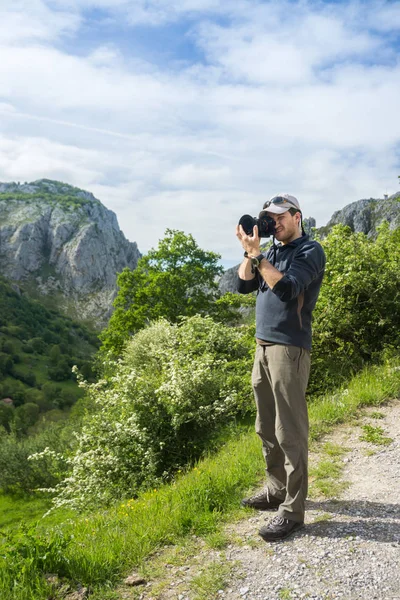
[323,518]
[325,478]
[377,415]
[15,510]
[375,435]
[371,387]
[98,549]
[285,593]
[212,578]
[217,540]
[334,450]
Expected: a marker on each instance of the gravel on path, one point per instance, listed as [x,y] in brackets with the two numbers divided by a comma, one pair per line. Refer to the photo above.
[350,547]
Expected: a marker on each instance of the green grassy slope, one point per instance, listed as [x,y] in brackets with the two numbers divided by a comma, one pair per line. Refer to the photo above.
[38,347]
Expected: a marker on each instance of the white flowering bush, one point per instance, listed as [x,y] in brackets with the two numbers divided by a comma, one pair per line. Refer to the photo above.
[157,408]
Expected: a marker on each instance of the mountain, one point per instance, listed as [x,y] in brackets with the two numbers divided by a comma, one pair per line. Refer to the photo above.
[60,243]
[363,216]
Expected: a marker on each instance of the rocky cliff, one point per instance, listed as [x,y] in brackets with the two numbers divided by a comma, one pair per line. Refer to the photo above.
[62,243]
[364,216]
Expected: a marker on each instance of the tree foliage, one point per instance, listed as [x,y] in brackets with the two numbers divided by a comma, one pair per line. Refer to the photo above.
[176,279]
[358,311]
[37,344]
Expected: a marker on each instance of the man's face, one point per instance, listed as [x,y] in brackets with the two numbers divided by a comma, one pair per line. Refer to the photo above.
[286,226]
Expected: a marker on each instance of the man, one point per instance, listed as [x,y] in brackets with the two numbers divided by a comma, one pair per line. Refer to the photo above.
[287,278]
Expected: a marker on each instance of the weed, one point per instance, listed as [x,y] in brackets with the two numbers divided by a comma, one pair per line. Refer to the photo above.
[369,452]
[324,478]
[377,415]
[254,542]
[374,435]
[323,517]
[211,579]
[334,449]
[285,593]
[217,540]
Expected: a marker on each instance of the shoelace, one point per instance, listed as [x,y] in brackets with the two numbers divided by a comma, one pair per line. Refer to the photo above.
[277,521]
[261,495]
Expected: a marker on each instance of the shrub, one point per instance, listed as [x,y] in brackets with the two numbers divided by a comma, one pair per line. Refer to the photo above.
[158,408]
[20,475]
[6,416]
[358,310]
[61,371]
[6,363]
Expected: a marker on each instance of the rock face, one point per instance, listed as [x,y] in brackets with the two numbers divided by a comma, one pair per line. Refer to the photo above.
[228,280]
[62,243]
[363,216]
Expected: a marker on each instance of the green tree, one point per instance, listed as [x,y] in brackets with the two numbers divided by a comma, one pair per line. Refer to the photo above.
[358,310]
[38,345]
[6,363]
[177,279]
[55,354]
[61,371]
[25,416]
[6,416]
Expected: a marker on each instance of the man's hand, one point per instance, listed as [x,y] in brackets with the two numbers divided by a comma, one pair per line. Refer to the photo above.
[250,243]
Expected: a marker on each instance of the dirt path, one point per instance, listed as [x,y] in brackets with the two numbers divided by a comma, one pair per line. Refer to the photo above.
[349,549]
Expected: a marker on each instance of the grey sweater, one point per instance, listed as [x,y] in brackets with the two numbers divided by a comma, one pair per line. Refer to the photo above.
[283,313]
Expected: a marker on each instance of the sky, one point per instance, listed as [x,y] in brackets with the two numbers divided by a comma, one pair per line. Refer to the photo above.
[186,114]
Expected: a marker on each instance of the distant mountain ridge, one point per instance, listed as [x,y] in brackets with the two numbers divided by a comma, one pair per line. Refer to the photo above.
[61,243]
[364,216]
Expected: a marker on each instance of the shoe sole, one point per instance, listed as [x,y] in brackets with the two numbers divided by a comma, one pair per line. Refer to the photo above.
[282,537]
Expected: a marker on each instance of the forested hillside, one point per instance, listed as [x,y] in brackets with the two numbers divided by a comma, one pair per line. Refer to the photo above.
[38,347]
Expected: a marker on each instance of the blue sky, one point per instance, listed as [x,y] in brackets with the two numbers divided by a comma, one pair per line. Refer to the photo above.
[187,114]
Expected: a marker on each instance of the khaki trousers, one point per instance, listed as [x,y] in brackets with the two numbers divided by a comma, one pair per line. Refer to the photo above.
[279,378]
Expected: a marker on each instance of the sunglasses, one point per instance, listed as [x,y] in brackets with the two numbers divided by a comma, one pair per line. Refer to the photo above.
[278,200]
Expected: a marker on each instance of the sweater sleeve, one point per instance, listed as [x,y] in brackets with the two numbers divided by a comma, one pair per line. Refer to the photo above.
[307,265]
[247,286]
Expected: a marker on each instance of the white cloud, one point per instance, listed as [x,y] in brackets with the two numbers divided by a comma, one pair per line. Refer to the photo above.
[195,177]
[384,16]
[303,100]
[32,20]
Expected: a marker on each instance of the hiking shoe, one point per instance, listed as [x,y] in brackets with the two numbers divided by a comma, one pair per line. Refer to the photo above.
[279,529]
[262,501]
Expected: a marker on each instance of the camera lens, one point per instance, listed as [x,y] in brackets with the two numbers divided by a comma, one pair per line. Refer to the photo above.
[247,222]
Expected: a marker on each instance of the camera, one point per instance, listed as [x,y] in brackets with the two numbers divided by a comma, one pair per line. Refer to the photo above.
[265,224]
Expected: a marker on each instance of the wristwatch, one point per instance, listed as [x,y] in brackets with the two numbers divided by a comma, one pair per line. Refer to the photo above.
[255,260]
